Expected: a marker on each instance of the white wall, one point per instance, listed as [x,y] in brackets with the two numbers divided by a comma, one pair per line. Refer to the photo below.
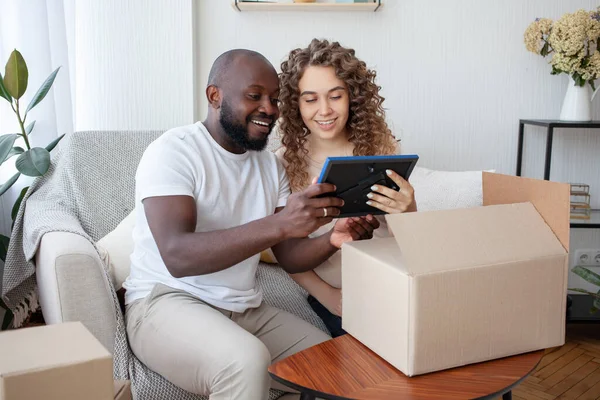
[133,64]
[125,65]
[455,74]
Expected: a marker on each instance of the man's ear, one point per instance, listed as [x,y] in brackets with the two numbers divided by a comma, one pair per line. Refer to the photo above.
[213,95]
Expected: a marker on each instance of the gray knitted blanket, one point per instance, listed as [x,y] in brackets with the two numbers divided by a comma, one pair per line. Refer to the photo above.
[88,190]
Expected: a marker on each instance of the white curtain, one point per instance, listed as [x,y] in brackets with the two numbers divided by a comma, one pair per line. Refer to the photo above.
[42,30]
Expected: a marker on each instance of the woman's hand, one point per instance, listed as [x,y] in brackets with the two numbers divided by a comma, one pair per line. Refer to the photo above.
[391,201]
[352,229]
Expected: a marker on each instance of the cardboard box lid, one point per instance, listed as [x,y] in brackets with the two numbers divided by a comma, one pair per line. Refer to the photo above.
[551,199]
[436,241]
[47,347]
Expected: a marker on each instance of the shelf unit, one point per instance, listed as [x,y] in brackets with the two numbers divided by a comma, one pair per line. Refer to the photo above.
[579,312]
[594,221]
[371,6]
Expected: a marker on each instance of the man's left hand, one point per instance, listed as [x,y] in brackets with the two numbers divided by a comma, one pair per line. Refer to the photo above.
[353,228]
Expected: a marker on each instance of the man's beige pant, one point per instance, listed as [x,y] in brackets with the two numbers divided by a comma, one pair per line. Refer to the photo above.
[207,350]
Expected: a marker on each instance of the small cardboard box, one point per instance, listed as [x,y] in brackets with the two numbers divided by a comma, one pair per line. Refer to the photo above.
[462,286]
[54,362]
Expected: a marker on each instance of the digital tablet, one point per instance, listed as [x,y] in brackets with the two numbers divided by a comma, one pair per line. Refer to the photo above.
[353,177]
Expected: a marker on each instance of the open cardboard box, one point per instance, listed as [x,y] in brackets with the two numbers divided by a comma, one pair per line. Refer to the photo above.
[462,286]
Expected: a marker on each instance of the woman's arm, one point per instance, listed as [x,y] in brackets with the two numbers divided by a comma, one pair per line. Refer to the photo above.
[327,295]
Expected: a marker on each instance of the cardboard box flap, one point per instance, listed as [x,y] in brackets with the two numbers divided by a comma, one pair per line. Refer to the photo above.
[551,199]
[447,240]
[48,346]
[384,250]
[122,390]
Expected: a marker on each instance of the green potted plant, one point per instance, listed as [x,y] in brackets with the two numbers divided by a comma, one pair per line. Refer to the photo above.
[31,161]
[590,277]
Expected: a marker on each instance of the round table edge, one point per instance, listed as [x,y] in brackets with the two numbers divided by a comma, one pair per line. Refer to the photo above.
[328,396]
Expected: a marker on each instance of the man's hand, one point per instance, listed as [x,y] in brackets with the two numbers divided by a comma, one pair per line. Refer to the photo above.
[354,228]
[304,212]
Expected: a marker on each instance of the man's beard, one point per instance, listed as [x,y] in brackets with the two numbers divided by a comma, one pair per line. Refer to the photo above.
[237,132]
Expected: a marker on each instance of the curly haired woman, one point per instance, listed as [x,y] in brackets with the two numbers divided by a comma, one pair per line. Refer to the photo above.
[331,106]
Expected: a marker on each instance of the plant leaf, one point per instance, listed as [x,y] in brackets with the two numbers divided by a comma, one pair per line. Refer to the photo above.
[29,128]
[6,145]
[4,240]
[6,185]
[556,71]
[3,92]
[585,62]
[42,91]
[586,274]
[579,81]
[16,75]
[53,143]
[17,204]
[34,162]
[597,301]
[15,151]
[595,295]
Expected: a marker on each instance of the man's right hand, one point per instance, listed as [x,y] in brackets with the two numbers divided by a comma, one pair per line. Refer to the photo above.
[304,212]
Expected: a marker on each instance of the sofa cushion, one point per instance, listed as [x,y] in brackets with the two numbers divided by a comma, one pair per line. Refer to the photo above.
[442,190]
[115,249]
[268,257]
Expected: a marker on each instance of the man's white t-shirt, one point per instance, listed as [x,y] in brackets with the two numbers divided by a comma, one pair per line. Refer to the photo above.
[229,189]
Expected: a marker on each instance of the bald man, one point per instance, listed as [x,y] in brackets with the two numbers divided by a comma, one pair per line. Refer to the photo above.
[208,201]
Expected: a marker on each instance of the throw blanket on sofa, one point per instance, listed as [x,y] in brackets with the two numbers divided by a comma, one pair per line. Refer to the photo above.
[88,190]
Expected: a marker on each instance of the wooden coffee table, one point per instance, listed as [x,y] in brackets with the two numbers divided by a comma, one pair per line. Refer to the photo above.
[343,368]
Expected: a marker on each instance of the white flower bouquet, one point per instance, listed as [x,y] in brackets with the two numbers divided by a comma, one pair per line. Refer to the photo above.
[571,41]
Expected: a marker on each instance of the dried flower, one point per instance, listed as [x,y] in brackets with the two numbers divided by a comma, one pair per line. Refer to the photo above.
[535,33]
[569,34]
[572,41]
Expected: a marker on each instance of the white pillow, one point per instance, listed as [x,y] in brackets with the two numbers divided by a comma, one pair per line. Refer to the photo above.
[115,249]
[443,190]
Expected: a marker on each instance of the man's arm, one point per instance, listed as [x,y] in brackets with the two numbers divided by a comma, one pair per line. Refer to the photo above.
[172,221]
[304,254]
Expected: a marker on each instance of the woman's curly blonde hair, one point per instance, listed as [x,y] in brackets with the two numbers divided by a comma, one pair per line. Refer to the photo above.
[366,124]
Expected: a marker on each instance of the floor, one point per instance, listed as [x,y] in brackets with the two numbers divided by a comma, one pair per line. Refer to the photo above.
[568,372]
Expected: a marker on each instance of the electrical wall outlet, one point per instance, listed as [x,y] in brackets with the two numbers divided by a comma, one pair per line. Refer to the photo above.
[587,257]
